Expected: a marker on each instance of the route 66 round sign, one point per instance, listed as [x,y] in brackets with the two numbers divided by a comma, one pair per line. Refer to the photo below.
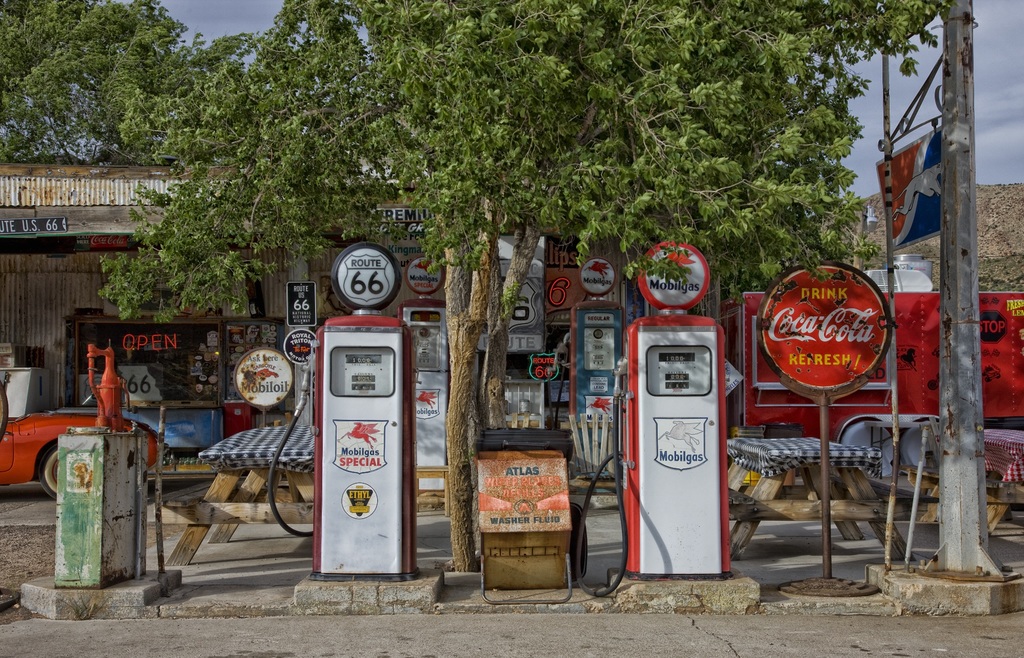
[365,276]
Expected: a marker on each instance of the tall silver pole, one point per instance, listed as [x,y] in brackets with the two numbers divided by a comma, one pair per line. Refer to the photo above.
[890,358]
[963,532]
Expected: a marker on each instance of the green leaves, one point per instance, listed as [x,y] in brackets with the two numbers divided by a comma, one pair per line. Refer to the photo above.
[70,72]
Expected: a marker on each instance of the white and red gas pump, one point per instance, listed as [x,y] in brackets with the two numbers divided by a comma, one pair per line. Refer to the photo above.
[365,457]
[596,339]
[675,498]
[426,319]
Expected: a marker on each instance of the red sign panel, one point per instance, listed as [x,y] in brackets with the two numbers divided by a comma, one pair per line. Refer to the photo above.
[824,336]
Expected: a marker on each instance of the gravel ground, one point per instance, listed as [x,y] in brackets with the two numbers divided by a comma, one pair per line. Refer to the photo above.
[27,553]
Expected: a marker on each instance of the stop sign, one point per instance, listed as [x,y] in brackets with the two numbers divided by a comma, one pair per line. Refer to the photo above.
[993,327]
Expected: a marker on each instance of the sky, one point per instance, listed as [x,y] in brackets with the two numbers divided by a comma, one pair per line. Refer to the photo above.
[998,81]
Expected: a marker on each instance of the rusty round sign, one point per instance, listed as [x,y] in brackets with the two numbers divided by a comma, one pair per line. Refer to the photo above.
[823,337]
[263,377]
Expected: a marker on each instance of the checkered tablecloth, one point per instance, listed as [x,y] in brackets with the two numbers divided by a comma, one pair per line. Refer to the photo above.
[776,456]
[1004,453]
[255,449]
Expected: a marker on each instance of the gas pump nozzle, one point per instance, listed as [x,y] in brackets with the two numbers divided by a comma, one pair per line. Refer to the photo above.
[618,394]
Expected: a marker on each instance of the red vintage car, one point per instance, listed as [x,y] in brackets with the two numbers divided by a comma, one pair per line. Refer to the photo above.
[28,449]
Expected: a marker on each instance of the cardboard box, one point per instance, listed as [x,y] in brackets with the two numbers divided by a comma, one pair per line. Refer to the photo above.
[13,356]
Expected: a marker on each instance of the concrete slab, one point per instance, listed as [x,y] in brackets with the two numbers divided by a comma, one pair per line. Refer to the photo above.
[917,594]
[263,571]
[132,599]
[317,597]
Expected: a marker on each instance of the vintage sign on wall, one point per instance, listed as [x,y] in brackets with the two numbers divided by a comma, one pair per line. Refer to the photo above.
[823,332]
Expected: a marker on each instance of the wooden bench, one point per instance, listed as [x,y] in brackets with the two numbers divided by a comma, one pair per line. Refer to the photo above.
[435,473]
[999,495]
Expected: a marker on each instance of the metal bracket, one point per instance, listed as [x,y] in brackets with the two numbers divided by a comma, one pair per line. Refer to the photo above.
[568,579]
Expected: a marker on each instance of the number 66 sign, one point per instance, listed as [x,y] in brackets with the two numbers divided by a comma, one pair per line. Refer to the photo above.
[365,276]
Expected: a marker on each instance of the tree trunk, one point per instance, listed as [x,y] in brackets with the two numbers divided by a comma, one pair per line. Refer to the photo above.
[492,391]
[465,293]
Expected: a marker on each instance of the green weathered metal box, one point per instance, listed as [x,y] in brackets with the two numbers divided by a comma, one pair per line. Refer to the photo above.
[100,508]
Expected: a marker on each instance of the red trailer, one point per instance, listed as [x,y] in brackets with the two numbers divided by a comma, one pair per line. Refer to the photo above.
[862,418]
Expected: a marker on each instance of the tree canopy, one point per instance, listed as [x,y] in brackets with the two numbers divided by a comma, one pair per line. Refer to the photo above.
[277,149]
[720,123]
[72,71]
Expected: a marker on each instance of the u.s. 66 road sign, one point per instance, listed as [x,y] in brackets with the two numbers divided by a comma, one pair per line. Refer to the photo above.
[365,276]
[301,300]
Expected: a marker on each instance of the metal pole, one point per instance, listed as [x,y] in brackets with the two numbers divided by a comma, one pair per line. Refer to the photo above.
[825,495]
[890,361]
[963,533]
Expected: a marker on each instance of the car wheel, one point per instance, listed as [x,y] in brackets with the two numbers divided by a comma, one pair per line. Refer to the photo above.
[48,471]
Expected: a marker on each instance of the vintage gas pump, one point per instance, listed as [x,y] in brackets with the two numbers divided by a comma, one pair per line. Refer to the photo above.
[596,341]
[425,318]
[365,507]
[101,491]
[675,452]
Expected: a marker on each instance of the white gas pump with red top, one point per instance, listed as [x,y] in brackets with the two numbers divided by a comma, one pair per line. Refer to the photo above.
[365,456]
[426,319]
[596,340]
[675,497]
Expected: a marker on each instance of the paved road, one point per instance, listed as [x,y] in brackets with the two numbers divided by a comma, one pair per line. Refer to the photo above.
[521,635]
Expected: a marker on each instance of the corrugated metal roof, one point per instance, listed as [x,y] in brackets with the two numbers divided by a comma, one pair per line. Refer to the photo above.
[31,191]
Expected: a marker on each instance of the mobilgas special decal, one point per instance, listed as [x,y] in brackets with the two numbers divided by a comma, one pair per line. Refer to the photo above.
[359,445]
[360,500]
[682,442]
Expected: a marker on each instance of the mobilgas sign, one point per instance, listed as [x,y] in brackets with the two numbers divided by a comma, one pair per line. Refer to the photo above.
[683,293]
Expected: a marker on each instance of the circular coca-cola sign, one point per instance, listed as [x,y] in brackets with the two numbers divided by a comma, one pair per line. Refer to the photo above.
[824,336]
[680,294]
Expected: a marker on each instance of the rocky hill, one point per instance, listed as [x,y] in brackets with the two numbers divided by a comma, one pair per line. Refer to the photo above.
[1000,210]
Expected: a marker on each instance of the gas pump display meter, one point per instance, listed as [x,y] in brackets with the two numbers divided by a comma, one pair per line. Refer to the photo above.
[599,344]
[679,370]
[362,372]
[426,337]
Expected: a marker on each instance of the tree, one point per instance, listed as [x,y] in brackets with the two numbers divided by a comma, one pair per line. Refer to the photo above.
[276,153]
[720,124]
[70,69]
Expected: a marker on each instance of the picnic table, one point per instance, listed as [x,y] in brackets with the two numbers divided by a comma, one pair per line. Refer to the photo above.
[238,492]
[852,496]
[1004,454]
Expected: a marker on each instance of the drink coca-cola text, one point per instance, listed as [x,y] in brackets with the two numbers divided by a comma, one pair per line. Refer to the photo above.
[840,325]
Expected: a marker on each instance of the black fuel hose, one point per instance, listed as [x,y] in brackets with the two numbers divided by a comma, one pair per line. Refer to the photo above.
[617,456]
[271,487]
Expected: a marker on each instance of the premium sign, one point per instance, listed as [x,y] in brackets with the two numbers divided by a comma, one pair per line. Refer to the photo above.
[824,335]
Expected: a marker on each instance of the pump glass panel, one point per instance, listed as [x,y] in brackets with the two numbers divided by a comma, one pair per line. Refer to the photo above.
[427,347]
[679,370]
[599,348]
[367,372]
